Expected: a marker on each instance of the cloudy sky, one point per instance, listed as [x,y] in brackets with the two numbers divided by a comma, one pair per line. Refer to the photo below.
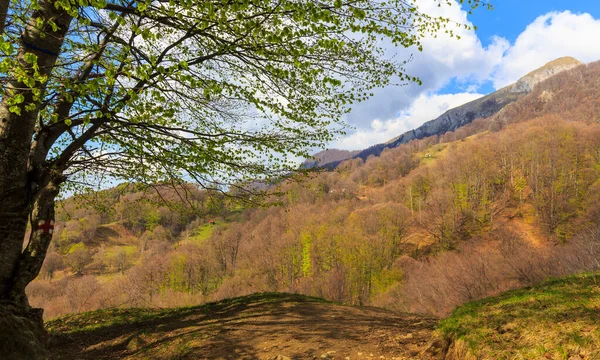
[516,37]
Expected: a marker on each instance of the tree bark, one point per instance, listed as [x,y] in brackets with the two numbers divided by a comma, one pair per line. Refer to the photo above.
[18,183]
[3,14]
[12,233]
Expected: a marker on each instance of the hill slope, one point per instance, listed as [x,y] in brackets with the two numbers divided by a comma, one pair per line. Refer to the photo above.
[261,326]
[558,319]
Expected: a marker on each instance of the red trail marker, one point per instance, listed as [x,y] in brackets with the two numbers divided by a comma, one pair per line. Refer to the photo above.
[47,226]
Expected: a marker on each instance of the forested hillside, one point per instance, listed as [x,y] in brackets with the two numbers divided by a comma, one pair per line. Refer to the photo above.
[501,203]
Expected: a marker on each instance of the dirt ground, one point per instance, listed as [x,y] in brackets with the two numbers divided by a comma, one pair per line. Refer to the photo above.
[276,326]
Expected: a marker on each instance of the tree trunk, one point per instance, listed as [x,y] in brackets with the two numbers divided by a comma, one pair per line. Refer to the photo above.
[22,334]
[3,13]
[32,258]
[19,181]
[12,233]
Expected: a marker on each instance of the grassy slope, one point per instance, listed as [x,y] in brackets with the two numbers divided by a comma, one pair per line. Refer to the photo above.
[559,319]
[201,234]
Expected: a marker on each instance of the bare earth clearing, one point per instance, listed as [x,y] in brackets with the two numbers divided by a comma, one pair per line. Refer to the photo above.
[263,326]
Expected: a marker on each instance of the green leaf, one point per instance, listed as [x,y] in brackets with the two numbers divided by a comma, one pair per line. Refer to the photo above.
[30,58]
[15,109]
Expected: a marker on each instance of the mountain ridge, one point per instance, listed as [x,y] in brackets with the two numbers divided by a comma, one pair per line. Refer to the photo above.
[462,115]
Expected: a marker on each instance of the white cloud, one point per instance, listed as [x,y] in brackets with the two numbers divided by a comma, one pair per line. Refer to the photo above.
[444,59]
[423,108]
[548,37]
[464,59]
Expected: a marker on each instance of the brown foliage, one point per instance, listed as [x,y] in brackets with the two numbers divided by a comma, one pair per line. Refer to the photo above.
[478,270]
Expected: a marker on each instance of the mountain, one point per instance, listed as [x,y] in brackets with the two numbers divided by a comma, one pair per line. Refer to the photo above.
[330,156]
[462,115]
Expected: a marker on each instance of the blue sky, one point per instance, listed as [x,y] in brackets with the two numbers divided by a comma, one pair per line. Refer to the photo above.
[516,37]
[510,17]
[506,21]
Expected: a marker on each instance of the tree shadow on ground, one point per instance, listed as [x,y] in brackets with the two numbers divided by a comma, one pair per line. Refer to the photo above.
[252,327]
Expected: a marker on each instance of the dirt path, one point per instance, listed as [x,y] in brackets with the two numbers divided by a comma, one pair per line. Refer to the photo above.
[276,326]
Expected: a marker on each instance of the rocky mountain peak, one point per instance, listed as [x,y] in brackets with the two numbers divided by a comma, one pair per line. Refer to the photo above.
[527,82]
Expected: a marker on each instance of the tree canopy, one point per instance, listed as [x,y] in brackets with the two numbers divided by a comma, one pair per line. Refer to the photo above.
[200,90]
[215,92]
